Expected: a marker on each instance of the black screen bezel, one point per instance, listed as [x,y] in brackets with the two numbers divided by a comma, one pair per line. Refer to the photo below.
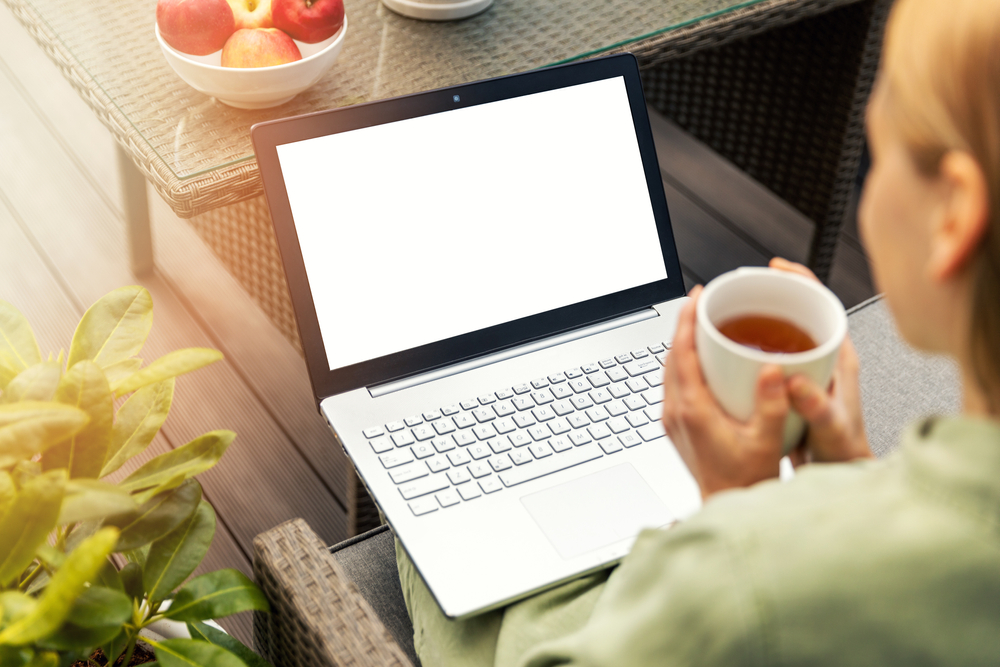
[326,382]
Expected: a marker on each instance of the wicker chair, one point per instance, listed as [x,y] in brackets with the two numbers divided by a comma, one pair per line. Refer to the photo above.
[343,605]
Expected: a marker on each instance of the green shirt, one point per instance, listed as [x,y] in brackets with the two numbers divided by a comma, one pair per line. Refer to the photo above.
[871,563]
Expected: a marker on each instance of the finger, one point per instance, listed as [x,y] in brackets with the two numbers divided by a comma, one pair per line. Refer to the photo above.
[811,401]
[683,354]
[798,456]
[771,404]
[783,264]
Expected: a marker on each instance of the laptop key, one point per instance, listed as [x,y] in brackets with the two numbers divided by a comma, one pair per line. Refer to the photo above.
[654,412]
[490,485]
[484,431]
[654,379]
[480,450]
[395,426]
[381,445]
[637,419]
[469,491]
[459,457]
[486,399]
[556,378]
[423,432]
[423,450]
[540,450]
[396,458]
[520,457]
[560,444]
[423,506]
[618,425]
[403,438]
[617,374]
[468,405]
[542,397]
[607,363]
[642,366]
[449,410]
[421,487]
[550,465]
[561,391]
[630,439]
[484,415]
[559,426]
[504,408]
[540,383]
[414,420]
[572,373]
[373,432]
[616,408]
[437,463]
[464,438]
[504,394]
[481,469]
[522,388]
[408,472]
[444,427]
[652,431]
[519,439]
[610,446]
[653,396]
[500,463]
[459,476]
[598,431]
[499,445]
[432,415]
[464,420]
[447,498]
[505,425]
[599,379]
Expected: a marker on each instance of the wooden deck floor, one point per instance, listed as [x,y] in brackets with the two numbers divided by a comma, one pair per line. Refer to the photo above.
[62,247]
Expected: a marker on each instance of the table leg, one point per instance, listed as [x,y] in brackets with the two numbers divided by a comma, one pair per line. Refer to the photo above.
[140,237]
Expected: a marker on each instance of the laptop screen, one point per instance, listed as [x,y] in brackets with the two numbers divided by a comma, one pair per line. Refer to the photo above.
[432,227]
[420,231]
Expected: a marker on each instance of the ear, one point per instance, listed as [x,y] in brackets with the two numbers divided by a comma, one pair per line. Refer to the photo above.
[965,215]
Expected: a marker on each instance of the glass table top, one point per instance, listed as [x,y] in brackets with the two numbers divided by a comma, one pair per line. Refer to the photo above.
[384,55]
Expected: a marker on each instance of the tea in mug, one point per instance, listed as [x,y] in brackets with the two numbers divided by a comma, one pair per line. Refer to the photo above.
[767,334]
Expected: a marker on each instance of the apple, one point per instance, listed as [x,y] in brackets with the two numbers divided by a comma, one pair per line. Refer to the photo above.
[259,47]
[197,27]
[252,13]
[308,21]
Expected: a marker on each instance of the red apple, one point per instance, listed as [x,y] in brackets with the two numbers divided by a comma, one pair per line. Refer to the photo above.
[308,21]
[197,27]
[252,13]
[259,47]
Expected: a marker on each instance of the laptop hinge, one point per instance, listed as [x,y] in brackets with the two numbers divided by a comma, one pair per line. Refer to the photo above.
[479,362]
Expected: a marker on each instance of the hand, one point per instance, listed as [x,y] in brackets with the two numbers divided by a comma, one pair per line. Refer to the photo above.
[836,429]
[720,452]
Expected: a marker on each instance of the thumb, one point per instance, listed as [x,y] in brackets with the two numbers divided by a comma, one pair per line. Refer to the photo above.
[771,404]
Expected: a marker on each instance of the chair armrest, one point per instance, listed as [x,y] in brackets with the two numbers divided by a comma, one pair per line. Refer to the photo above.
[318,618]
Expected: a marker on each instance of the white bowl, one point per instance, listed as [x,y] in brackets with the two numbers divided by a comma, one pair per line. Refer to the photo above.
[255,87]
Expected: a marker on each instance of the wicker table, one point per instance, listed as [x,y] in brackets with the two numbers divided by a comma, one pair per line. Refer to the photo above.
[777,86]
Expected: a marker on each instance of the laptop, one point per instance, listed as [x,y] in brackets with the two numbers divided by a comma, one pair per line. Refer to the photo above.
[486,286]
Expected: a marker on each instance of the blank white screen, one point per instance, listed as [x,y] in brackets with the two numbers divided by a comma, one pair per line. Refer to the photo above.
[427,228]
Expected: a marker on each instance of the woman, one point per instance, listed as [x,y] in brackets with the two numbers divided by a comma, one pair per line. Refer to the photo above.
[856,561]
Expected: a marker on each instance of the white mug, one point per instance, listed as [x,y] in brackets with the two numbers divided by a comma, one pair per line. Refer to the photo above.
[731,369]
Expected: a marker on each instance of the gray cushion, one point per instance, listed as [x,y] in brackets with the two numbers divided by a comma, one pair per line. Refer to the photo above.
[898,385]
[369,560]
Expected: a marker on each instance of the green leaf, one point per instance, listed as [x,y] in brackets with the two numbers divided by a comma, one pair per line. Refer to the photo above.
[98,607]
[91,500]
[121,370]
[132,580]
[168,366]
[35,383]
[50,556]
[137,423]
[110,578]
[28,521]
[72,637]
[7,491]
[12,656]
[114,647]
[191,459]
[84,387]
[30,427]
[215,595]
[157,517]
[45,659]
[174,557]
[114,328]
[18,347]
[236,647]
[192,653]
[66,586]
[15,605]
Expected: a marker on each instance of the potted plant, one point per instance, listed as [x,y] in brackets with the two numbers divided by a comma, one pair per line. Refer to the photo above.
[66,423]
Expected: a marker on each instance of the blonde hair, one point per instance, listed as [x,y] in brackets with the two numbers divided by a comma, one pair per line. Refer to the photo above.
[941,67]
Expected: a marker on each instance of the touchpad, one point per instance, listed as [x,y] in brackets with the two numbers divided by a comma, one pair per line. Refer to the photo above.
[596,510]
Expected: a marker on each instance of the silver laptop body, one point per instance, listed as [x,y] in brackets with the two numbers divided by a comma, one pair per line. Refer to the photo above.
[486,285]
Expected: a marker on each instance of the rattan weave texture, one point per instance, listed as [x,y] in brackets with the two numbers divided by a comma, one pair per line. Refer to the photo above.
[317,617]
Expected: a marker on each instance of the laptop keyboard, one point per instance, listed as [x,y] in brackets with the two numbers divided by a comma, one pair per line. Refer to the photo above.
[460,452]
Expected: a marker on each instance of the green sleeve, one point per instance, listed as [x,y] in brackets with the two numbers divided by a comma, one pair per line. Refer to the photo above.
[682,597]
